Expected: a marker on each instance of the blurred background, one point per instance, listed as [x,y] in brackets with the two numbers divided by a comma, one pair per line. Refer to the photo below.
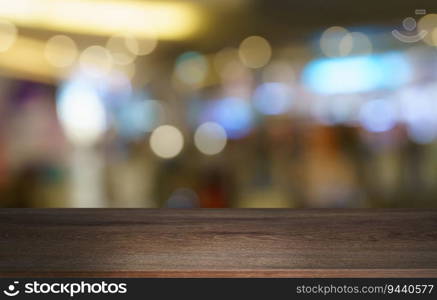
[218,103]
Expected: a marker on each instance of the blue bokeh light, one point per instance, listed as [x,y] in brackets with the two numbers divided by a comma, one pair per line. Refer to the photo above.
[273,98]
[419,112]
[378,115]
[138,117]
[233,114]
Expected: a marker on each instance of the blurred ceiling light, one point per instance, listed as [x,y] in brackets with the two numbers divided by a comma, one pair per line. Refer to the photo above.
[336,41]
[96,61]
[357,74]
[81,112]
[192,68]
[166,141]
[210,138]
[226,4]
[255,52]
[61,51]
[25,59]
[8,35]
[142,19]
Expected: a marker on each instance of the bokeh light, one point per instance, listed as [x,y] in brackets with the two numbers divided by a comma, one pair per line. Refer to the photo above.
[428,24]
[143,46]
[8,35]
[255,52]
[129,70]
[96,61]
[273,98]
[279,71]
[191,68]
[171,103]
[115,89]
[357,73]
[338,109]
[210,138]
[138,117]
[61,51]
[378,115]
[166,141]
[336,41]
[81,112]
[119,49]
[419,112]
[356,43]
[171,20]
[183,198]
[233,114]
[224,58]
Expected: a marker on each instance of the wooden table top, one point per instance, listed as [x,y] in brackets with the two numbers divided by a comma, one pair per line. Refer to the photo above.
[218,243]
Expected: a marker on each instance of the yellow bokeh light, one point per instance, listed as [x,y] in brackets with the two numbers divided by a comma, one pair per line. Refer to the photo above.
[118,46]
[142,46]
[255,52]
[355,43]
[96,61]
[336,41]
[8,35]
[61,51]
[125,48]
[225,57]
[129,70]
[427,26]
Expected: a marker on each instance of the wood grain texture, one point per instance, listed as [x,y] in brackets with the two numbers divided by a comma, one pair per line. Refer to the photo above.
[218,243]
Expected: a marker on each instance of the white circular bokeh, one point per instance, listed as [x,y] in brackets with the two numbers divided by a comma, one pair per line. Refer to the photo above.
[210,138]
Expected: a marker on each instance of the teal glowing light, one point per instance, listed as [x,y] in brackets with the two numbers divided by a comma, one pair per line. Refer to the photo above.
[357,74]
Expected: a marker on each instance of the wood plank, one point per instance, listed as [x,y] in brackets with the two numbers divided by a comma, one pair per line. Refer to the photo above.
[218,243]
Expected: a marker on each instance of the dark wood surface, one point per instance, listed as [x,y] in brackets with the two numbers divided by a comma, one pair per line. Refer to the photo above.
[211,243]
